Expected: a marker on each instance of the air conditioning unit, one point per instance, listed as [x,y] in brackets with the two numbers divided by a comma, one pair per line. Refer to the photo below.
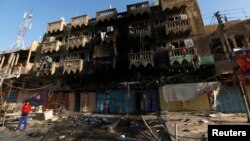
[110,29]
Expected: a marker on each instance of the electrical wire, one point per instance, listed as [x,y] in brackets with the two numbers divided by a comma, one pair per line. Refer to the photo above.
[29,88]
[227,10]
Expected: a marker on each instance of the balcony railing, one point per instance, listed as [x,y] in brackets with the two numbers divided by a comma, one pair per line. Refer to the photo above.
[181,54]
[105,61]
[106,15]
[79,21]
[56,26]
[178,26]
[51,46]
[76,42]
[182,51]
[138,8]
[140,31]
[72,65]
[170,4]
[142,58]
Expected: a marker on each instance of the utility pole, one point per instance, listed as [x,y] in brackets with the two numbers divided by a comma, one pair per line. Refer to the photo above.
[229,51]
[127,85]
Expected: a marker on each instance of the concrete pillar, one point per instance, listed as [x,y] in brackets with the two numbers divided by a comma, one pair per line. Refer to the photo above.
[233,40]
[247,40]
[223,45]
[12,61]
[246,93]
[28,58]
[2,61]
[17,59]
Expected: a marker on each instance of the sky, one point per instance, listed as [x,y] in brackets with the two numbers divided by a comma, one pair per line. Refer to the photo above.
[45,11]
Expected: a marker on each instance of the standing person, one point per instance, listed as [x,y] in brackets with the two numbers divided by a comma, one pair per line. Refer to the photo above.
[26,108]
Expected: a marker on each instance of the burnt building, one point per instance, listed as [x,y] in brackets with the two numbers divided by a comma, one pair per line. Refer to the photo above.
[87,64]
[229,43]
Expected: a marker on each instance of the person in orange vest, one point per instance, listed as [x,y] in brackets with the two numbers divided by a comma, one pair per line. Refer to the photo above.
[26,108]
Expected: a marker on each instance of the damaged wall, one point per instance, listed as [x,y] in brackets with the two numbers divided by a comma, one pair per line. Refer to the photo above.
[88,102]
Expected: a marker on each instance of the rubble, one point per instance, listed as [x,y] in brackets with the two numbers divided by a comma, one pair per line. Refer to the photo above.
[76,126]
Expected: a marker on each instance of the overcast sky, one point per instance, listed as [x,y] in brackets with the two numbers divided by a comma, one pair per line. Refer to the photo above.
[44,11]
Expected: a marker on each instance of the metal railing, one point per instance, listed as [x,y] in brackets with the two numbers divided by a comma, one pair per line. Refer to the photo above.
[177,24]
[147,55]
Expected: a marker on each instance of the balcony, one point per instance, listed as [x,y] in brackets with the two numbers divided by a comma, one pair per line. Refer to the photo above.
[140,31]
[171,4]
[182,55]
[56,26]
[51,46]
[72,65]
[139,8]
[20,69]
[106,15]
[142,58]
[105,62]
[79,21]
[46,69]
[16,71]
[76,42]
[176,27]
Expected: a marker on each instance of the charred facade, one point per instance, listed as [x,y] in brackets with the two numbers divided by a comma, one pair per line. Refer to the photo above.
[87,59]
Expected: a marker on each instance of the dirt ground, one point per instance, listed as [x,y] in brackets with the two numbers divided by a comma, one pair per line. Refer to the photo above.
[99,127]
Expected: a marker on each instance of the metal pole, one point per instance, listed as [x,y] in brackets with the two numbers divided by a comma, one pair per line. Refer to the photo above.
[176,133]
[243,94]
[127,84]
[128,101]
[4,117]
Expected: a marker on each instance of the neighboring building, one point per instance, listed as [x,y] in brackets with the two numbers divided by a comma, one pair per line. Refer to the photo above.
[227,63]
[82,64]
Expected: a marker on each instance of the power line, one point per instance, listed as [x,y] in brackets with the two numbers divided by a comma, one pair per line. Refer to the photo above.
[28,88]
[212,20]
[227,10]
[233,13]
